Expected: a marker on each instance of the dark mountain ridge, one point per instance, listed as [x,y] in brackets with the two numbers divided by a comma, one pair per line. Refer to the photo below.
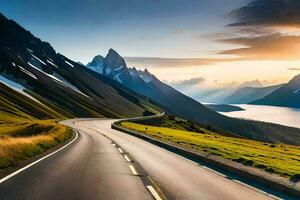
[61,81]
[246,95]
[287,96]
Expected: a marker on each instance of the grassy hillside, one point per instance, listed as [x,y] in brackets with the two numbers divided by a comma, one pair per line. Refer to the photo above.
[22,141]
[174,122]
[27,127]
[280,158]
[14,106]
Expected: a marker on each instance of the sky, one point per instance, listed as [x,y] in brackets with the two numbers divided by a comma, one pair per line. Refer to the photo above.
[204,43]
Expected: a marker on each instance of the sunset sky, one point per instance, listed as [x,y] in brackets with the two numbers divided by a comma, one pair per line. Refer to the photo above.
[200,42]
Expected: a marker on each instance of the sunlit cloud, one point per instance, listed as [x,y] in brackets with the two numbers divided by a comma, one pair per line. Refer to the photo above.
[189,82]
[271,47]
[176,62]
[267,29]
[294,69]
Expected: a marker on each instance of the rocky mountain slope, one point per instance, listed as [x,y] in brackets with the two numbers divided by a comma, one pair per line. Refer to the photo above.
[53,78]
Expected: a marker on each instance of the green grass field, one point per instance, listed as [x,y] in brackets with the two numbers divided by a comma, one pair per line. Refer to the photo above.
[275,158]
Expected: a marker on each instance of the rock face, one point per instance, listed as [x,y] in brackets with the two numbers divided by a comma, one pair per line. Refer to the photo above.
[113,60]
[288,95]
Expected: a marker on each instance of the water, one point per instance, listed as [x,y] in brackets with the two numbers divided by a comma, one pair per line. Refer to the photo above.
[279,115]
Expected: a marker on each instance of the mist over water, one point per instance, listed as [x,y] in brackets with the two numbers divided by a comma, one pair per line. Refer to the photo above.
[280,115]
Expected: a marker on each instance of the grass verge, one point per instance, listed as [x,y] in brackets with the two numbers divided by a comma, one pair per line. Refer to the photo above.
[274,158]
[22,141]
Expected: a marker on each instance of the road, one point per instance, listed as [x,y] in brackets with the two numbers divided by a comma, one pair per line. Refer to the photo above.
[92,168]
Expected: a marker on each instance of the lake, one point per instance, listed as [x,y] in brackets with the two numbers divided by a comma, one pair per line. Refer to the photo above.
[279,115]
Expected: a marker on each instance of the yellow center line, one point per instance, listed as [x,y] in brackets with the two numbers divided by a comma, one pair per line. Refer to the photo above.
[120,150]
[153,192]
[126,158]
[134,172]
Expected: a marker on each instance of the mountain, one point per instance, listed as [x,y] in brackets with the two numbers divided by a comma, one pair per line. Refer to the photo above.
[287,95]
[222,95]
[73,90]
[60,82]
[254,83]
[246,95]
[176,103]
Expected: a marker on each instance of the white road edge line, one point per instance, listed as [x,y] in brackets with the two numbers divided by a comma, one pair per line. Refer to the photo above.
[37,161]
[214,171]
[153,192]
[133,170]
[223,175]
[126,158]
[256,189]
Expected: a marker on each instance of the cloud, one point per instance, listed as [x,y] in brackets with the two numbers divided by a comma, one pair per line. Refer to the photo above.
[267,12]
[175,62]
[150,37]
[178,31]
[265,30]
[294,69]
[266,47]
[189,82]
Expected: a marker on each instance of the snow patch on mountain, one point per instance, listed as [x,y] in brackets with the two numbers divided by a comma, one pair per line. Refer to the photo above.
[49,75]
[27,72]
[38,59]
[11,83]
[69,64]
[59,79]
[50,62]
[118,68]
[17,87]
[146,76]
[29,50]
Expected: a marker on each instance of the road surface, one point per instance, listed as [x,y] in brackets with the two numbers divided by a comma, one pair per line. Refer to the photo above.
[93,167]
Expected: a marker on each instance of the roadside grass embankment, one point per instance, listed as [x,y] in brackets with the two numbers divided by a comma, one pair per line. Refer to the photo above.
[23,140]
[281,159]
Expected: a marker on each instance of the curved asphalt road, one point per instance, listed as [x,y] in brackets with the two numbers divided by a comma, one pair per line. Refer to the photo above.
[177,177]
[91,168]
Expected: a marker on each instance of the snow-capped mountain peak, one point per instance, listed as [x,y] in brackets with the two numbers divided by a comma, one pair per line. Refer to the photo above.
[146,75]
[113,60]
[115,67]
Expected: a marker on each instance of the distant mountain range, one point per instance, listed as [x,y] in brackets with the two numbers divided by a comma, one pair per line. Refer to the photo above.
[105,88]
[246,95]
[253,92]
[287,95]
[221,95]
